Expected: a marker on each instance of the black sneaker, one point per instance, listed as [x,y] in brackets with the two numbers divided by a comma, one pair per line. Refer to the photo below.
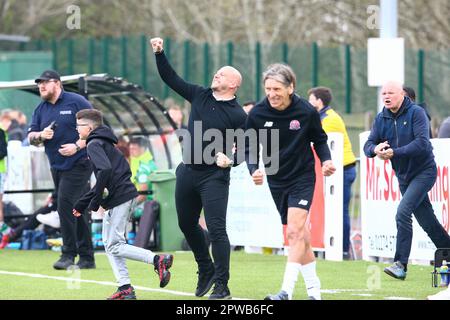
[205,282]
[162,263]
[282,295]
[86,264]
[220,292]
[63,263]
[127,294]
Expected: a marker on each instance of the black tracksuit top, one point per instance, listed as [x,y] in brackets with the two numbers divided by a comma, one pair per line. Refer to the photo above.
[298,125]
[111,170]
[212,113]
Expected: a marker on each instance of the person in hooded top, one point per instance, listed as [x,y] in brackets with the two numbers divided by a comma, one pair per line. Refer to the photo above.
[113,174]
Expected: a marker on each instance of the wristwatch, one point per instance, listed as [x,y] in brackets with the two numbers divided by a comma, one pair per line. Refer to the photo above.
[78,147]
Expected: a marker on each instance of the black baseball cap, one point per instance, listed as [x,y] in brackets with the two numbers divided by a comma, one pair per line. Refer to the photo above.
[47,75]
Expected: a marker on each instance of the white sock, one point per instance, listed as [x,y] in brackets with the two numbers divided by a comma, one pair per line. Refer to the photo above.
[312,281]
[290,277]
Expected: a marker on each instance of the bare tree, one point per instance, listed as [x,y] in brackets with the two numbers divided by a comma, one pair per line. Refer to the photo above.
[422,23]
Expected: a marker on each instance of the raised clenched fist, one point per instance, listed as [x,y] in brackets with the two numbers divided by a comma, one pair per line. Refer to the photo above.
[157,44]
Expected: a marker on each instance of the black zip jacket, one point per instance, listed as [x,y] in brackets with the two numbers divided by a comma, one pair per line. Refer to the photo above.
[212,113]
[298,125]
[111,170]
[407,133]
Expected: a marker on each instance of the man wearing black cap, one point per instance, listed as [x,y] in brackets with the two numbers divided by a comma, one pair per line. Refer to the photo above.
[54,124]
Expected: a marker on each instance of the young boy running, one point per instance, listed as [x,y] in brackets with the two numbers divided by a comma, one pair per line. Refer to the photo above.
[113,175]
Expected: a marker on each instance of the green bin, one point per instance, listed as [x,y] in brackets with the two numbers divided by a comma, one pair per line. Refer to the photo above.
[164,192]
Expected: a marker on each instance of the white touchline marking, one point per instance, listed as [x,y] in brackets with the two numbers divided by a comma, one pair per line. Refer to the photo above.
[398,298]
[104,283]
[333,291]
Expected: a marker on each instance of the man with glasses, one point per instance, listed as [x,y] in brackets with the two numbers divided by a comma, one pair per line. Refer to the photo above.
[54,124]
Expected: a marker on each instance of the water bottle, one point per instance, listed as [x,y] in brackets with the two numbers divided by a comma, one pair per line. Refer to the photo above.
[131,237]
[97,241]
[444,274]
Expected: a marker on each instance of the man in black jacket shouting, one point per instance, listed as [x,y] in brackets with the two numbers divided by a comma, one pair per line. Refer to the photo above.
[113,175]
[203,183]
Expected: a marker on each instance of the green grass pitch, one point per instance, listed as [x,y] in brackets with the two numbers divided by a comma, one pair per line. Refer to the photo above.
[29,275]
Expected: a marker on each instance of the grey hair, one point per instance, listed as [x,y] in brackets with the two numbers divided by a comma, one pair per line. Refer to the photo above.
[280,72]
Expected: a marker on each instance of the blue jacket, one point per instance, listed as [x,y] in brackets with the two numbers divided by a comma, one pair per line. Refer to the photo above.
[407,132]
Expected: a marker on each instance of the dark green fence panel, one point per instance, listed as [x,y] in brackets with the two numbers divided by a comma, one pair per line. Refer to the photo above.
[343,68]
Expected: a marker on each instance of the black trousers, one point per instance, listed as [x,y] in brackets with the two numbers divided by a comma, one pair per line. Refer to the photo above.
[76,232]
[416,201]
[208,189]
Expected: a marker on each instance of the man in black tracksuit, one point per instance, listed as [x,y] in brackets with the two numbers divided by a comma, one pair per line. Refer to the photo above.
[201,183]
[113,176]
[292,185]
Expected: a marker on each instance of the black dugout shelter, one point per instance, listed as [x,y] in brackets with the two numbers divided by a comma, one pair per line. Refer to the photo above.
[127,108]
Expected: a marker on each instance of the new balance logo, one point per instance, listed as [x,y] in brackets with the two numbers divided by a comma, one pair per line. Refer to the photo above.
[303,202]
[268,124]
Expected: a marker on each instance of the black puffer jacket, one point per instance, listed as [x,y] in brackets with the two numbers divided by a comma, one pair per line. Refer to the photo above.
[111,170]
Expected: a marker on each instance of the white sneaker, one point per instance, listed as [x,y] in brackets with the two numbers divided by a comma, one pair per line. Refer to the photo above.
[442,295]
[51,219]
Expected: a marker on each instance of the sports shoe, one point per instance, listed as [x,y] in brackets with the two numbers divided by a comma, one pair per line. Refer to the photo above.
[162,264]
[205,282]
[442,295]
[54,242]
[397,270]
[220,292]
[282,295]
[51,219]
[127,294]
[5,241]
[86,264]
[63,263]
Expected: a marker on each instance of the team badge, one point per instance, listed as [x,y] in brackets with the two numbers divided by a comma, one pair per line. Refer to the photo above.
[294,125]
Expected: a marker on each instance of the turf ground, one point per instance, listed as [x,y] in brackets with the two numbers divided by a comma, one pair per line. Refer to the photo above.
[29,275]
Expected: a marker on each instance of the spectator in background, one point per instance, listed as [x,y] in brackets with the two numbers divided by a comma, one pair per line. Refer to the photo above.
[142,165]
[12,127]
[177,116]
[410,93]
[46,215]
[248,106]
[444,129]
[320,98]
[21,118]
[124,147]
[4,228]
[409,149]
